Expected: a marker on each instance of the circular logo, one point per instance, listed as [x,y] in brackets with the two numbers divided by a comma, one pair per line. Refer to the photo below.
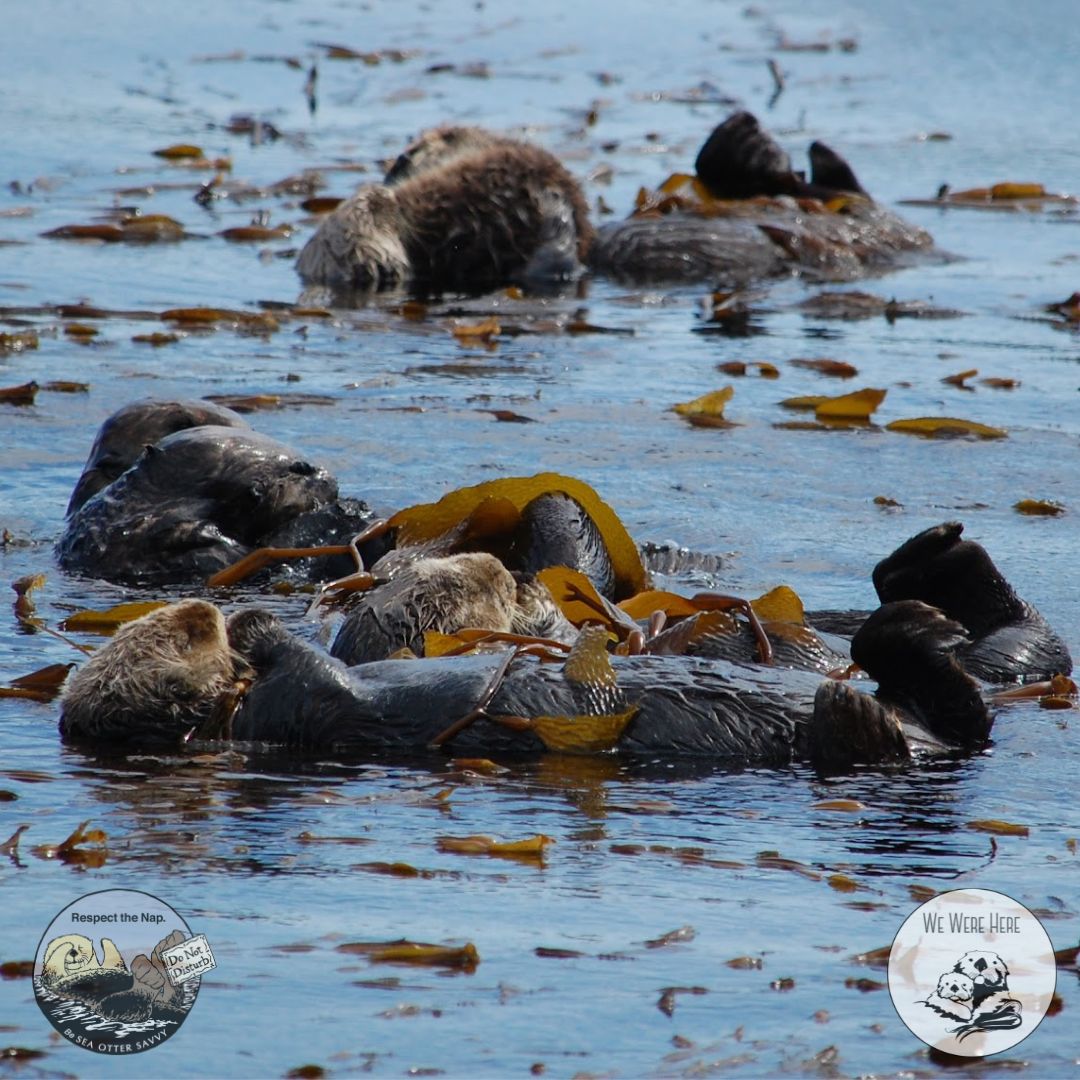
[118,971]
[972,972]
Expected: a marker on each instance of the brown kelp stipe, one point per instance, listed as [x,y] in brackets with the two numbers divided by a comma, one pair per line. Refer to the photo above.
[723,602]
[518,723]
[263,557]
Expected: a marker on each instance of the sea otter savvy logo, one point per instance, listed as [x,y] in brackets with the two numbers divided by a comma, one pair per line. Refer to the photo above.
[972,972]
[130,991]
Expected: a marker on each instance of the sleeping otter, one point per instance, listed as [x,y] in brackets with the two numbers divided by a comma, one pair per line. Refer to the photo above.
[462,209]
[762,219]
[198,500]
[465,209]
[158,674]
[125,434]
[731,712]
[728,710]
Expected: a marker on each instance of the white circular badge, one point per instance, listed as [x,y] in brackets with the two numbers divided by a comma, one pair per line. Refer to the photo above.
[972,972]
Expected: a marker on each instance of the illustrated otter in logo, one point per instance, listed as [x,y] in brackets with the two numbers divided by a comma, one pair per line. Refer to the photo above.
[976,991]
[71,969]
[953,996]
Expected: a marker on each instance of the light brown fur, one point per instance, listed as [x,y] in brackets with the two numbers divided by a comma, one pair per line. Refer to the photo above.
[444,594]
[461,209]
[164,671]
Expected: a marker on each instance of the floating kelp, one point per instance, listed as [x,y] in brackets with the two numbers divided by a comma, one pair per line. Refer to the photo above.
[1006,195]
[945,427]
[707,410]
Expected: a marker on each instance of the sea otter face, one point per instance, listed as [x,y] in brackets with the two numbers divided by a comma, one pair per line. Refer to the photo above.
[68,956]
[157,677]
[984,969]
[955,987]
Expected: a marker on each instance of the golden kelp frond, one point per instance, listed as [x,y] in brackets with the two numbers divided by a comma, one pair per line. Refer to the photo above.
[945,427]
[582,734]
[110,620]
[589,662]
[781,604]
[858,405]
[577,597]
[428,521]
[646,603]
[710,404]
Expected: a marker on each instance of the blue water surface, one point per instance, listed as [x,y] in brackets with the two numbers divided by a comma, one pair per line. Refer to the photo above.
[624,93]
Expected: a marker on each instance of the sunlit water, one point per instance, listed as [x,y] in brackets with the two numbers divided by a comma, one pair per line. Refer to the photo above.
[91,89]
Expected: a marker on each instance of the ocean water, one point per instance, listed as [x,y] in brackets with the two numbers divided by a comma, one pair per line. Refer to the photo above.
[624,93]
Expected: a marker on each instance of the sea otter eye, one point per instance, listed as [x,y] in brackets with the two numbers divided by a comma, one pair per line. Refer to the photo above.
[302,468]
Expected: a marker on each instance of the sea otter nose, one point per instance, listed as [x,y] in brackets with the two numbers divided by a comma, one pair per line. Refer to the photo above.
[980,964]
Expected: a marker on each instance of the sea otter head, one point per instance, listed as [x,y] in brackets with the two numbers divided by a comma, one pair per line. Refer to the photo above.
[985,969]
[955,987]
[66,956]
[156,679]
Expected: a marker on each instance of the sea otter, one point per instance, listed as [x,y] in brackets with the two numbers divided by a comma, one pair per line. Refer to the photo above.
[462,209]
[465,209]
[733,711]
[760,219]
[730,712]
[446,595]
[197,500]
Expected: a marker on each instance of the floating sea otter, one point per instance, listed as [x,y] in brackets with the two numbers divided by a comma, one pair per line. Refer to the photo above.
[747,215]
[154,510]
[464,209]
[181,508]
[184,670]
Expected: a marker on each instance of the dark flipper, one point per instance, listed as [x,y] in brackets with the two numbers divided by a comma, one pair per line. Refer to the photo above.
[924,699]
[850,727]
[740,160]
[910,649]
[1009,638]
[830,171]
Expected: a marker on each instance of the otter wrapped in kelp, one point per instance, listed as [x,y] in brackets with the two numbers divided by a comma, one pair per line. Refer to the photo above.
[511,703]
[746,215]
[250,679]
[462,209]
[194,502]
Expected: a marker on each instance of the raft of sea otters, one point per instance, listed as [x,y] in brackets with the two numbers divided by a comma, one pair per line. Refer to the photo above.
[464,209]
[526,598]
[531,608]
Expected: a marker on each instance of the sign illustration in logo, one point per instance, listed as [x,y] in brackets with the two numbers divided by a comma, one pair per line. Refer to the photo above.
[972,972]
[125,992]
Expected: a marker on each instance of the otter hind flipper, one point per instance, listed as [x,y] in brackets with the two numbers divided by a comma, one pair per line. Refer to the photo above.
[829,170]
[910,648]
[1010,639]
[850,728]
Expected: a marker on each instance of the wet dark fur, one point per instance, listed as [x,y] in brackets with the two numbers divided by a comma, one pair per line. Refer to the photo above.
[194,503]
[125,434]
[767,228]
